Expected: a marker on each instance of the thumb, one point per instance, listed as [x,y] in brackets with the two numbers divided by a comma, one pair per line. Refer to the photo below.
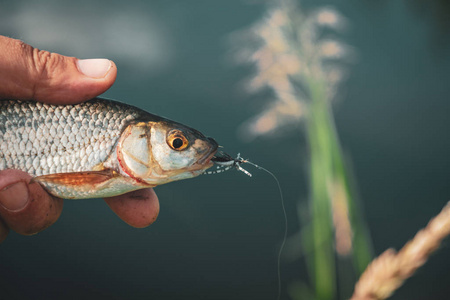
[28,73]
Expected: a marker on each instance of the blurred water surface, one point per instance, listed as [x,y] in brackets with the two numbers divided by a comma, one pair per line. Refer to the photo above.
[217,236]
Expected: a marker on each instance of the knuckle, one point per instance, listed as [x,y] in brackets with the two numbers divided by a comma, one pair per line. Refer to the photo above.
[40,63]
[43,66]
[44,63]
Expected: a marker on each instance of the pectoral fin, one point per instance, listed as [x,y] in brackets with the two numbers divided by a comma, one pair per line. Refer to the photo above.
[76,178]
[82,185]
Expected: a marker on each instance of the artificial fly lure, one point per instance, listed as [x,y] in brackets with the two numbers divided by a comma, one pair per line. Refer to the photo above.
[225,162]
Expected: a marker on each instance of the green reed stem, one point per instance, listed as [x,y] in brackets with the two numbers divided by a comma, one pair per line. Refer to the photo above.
[327,166]
[324,264]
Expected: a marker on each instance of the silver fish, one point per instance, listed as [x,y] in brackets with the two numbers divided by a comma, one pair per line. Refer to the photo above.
[99,148]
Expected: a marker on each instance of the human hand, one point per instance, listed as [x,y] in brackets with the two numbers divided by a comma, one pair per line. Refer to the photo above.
[27,73]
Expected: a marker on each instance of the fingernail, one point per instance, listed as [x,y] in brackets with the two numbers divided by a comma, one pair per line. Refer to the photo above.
[95,68]
[15,196]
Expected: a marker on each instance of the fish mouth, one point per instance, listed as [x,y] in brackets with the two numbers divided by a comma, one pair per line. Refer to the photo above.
[206,159]
[221,157]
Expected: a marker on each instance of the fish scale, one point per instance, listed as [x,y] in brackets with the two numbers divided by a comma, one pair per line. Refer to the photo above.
[42,139]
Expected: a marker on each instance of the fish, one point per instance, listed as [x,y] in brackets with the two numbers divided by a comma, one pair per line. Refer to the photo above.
[98,148]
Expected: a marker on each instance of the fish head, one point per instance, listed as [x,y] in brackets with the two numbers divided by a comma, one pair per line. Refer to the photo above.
[160,152]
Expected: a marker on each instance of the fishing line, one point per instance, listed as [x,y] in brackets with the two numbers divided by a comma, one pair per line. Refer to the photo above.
[224,163]
[285,224]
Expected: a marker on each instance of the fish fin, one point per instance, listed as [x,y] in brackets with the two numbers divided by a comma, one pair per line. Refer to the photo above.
[77,178]
[91,184]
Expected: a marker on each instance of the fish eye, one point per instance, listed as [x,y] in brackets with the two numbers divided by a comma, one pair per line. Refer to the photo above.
[177,143]
[176,140]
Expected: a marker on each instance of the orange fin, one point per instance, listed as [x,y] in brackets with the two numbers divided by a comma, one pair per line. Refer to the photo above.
[77,178]
[84,185]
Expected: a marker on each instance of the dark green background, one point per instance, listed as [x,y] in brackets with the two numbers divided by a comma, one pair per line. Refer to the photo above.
[217,236]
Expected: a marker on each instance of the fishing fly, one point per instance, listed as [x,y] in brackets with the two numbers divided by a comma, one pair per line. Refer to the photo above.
[225,162]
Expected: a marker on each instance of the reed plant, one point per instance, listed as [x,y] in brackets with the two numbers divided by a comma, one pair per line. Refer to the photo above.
[298,61]
[388,271]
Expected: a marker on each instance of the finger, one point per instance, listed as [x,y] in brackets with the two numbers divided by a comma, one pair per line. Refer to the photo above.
[26,208]
[138,209]
[29,73]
